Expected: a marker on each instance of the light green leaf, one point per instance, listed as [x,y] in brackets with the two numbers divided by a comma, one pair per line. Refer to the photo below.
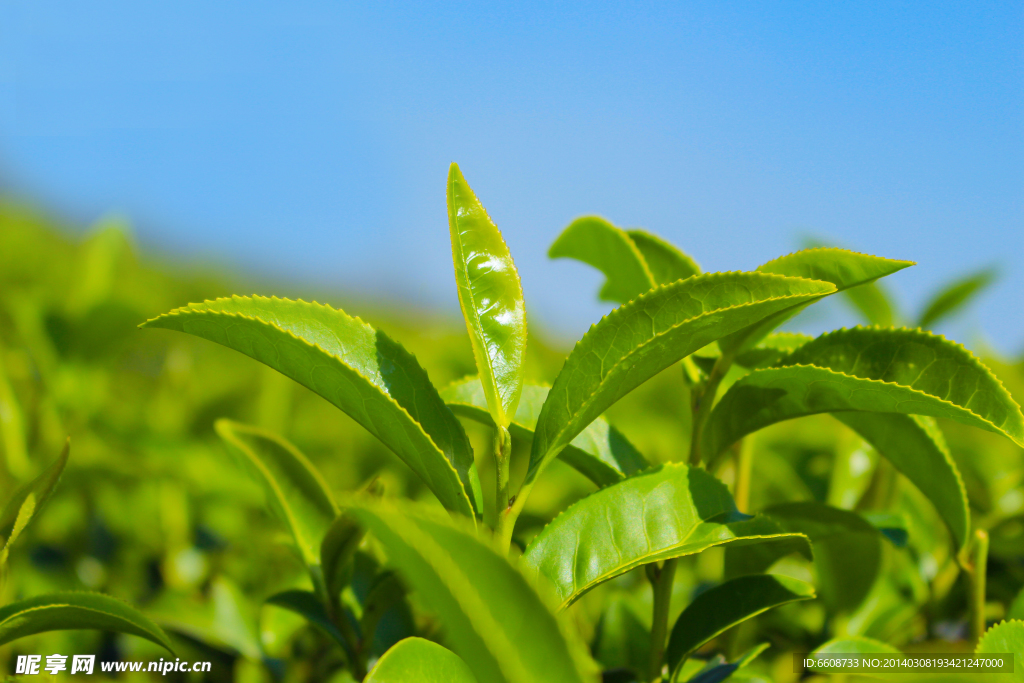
[295,489]
[916,447]
[597,242]
[493,617]
[359,369]
[955,296]
[600,452]
[720,608]
[669,512]
[878,370]
[40,489]
[666,263]
[873,303]
[73,611]
[28,509]
[491,298]
[1016,610]
[844,269]
[640,339]
[416,659]
[847,549]
[1007,636]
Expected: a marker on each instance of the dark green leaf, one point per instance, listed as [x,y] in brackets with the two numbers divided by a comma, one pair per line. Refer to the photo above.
[955,296]
[597,242]
[867,369]
[358,369]
[600,452]
[666,263]
[622,641]
[722,607]
[669,512]
[640,339]
[295,490]
[339,546]
[72,611]
[420,661]
[385,592]
[493,617]
[491,298]
[308,606]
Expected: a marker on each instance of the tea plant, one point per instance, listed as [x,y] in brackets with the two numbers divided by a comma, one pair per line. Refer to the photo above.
[506,601]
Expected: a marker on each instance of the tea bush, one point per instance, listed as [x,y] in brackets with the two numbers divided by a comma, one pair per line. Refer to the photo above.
[408,502]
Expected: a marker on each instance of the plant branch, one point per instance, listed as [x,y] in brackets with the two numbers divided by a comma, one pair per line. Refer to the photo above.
[979,569]
[503,520]
[661,584]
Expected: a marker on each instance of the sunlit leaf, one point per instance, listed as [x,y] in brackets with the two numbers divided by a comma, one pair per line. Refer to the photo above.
[666,263]
[416,659]
[73,611]
[673,511]
[491,298]
[597,242]
[640,339]
[954,297]
[358,369]
[40,488]
[1006,637]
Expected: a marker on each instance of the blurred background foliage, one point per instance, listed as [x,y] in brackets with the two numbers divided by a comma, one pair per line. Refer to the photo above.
[152,509]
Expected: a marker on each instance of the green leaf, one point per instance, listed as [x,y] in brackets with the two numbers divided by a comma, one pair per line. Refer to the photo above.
[720,608]
[640,339]
[772,349]
[493,617]
[916,447]
[877,370]
[28,509]
[955,296]
[1007,636]
[40,489]
[416,659]
[1016,610]
[295,490]
[669,512]
[360,370]
[597,242]
[666,263]
[309,607]
[385,592]
[73,611]
[873,303]
[600,452]
[339,546]
[856,646]
[621,640]
[844,269]
[491,298]
[847,549]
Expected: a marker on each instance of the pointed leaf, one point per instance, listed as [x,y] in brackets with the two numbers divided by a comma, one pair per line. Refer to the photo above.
[358,369]
[954,297]
[597,242]
[493,617]
[491,298]
[906,372]
[40,488]
[844,269]
[720,608]
[295,489]
[916,447]
[416,659]
[600,452]
[309,607]
[640,339]
[666,263]
[669,512]
[73,611]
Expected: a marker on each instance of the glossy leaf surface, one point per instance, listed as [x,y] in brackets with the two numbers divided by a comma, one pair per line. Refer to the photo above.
[491,297]
[669,512]
[600,452]
[598,243]
[640,339]
[423,661]
[295,490]
[916,447]
[844,269]
[867,369]
[40,488]
[72,611]
[954,297]
[722,607]
[665,262]
[493,617]
[358,369]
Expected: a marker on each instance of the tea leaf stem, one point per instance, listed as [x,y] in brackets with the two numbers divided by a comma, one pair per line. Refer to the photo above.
[661,579]
[979,569]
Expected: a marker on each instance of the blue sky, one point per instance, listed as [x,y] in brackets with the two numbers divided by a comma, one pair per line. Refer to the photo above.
[310,141]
